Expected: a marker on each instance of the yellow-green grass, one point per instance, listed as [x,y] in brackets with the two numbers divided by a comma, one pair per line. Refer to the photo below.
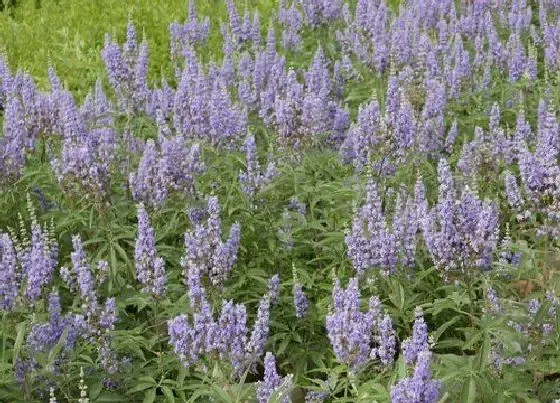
[69,34]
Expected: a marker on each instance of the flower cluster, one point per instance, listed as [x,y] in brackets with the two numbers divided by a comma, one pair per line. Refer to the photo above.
[127,69]
[226,337]
[254,179]
[191,32]
[206,254]
[172,166]
[150,269]
[460,233]
[27,265]
[273,385]
[371,243]
[420,388]
[357,337]
[99,318]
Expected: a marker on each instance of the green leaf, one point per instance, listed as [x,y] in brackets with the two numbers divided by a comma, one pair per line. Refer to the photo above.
[20,333]
[139,387]
[470,393]
[168,393]
[150,396]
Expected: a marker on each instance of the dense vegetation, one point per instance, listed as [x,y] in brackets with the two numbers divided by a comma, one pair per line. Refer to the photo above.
[280,201]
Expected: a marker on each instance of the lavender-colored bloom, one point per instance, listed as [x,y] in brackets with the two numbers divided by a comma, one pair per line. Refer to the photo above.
[108,315]
[150,183]
[460,234]
[8,272]
[420,388]
[85,280]
[364,136]
[349,329]
[287,107]
[254,179]
[386,340]
[494,117]
[418,343]
[127,71]
[316,397]
[451,137]
[514,198]
[12,144]
[315,116]
[232,339]
[38,264]
[86,154]
[273,384]
[234,20]
[274,289]
[191,32]
[321,11]
[300,301]
[181,164]
[296,205]
[270,45]
[150,269]
[205,251]
[226,337]
[259,335]
[508,255]
[493,300]
[533,306]
[292,20]
[44,336]
[517,58]
[372,244]
[225,122]
[531,68]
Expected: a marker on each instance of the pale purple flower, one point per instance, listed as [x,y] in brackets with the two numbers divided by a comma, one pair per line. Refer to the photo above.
[84,278]
[301,302]
[350,331]
[420,388]
[254,179]
[259,334]
[150,269]
[150,183]
[273,287]
[206,252]
[127,71]
[8,272]
[514,198]
[38,263]
[273,384]
[418,342]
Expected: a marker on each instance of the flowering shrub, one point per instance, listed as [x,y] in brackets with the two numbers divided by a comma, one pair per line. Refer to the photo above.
[325,201]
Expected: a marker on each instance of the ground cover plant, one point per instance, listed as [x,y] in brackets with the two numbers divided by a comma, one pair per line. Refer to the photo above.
[306,201]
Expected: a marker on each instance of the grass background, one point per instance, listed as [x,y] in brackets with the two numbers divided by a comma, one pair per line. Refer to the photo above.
[69,34]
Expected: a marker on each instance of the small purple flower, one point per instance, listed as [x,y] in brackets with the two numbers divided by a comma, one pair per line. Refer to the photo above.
[418,343]
[274,289]
[515,200]
[150,269]
[420,388]
[8,272]
[205,251]
[259,335]
[38,263]
[300,301]
[350,331]
[84,278]
[273,384]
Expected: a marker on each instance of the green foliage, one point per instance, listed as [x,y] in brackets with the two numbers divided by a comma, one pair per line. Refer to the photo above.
[69,34]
